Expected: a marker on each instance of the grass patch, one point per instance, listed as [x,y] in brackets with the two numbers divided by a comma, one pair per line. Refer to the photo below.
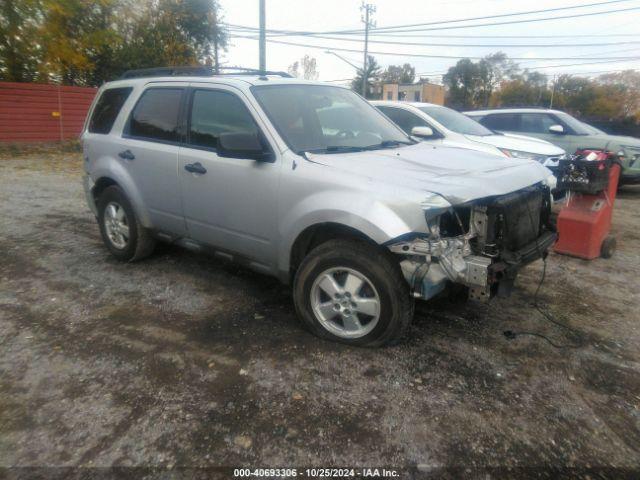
[14,150]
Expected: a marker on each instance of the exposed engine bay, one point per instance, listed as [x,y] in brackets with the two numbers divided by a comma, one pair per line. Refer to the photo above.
[481,244]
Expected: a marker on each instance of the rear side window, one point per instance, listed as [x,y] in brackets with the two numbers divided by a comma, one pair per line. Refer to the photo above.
[214,112]
[156,115]
[502,121]
[405,120]
[107,109]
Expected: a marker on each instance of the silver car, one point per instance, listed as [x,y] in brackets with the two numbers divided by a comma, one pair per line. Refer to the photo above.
[438,124]
[309,183]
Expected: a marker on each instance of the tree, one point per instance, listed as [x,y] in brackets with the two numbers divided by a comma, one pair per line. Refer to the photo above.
[309,68]
[575,94]
[19,53]
[624,89]
[463,84]
[170,32]
[399,74]
[471,85]
[81,42]
[373,76]
[529,89]
[493,69]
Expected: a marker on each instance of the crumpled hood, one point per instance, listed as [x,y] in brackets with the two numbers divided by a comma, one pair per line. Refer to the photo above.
[458,174]
[519,142]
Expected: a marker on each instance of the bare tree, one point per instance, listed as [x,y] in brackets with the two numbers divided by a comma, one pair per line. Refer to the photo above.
[305,68]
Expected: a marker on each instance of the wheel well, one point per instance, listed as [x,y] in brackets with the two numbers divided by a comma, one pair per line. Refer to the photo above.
[317,234]
[101,185]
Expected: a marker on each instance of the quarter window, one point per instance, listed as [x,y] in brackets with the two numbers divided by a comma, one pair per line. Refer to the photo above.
[214,112]
[156,115]
[107,109]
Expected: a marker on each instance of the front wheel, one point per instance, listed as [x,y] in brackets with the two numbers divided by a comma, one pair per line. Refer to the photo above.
[351,292]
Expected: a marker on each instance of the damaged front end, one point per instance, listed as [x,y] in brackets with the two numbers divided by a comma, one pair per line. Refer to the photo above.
[480,244]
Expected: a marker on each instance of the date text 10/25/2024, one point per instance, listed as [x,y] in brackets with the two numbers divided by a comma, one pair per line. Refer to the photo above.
[316,472]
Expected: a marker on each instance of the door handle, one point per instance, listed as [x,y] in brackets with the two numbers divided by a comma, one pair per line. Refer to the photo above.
[195,168]
[127,155]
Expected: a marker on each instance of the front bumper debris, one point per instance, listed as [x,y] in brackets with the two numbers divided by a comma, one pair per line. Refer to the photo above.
[428,266]
[431,264]
[502,235]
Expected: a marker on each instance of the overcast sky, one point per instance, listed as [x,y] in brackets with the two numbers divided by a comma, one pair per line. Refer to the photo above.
[323,15]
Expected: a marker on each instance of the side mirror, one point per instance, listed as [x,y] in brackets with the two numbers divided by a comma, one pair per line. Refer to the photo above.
[557,129]
[243,145]
[422,132]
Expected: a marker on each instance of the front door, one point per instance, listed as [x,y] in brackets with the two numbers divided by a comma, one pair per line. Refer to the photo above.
[228,203]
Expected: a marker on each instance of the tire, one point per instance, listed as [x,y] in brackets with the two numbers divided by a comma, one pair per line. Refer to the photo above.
[349,263]
[608,247]
[138,243]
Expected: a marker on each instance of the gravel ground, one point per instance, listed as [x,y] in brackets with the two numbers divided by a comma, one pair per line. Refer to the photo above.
[184,361]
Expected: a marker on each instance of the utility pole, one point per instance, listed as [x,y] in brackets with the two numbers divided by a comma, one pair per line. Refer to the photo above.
[216,32]
[553,89]
[368,9]
[263,39]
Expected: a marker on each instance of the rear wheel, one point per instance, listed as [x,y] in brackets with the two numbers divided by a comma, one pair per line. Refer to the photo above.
[122,233]
[351,292]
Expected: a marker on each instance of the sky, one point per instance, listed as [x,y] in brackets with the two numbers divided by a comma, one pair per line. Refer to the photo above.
[330,15]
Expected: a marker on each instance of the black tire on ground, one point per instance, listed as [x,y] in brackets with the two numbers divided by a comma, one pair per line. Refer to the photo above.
[140,243]
[396,303]
[608,247]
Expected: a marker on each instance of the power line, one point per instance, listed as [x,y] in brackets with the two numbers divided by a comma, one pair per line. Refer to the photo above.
[434,74]
[598,55]
[513,14]
[403,28]
[513,22]
[440,35]
[417,55]
[578,64]
[475,45]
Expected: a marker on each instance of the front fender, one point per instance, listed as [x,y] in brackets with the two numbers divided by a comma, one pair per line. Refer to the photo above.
[109,167]
[379,221]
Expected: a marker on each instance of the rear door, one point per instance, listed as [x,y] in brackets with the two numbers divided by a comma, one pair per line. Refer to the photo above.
[148,150]
[232,202]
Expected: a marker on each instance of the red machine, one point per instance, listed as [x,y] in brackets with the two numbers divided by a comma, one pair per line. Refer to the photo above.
[584,223]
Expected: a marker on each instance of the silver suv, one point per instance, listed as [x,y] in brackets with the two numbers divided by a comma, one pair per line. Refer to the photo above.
[309,183]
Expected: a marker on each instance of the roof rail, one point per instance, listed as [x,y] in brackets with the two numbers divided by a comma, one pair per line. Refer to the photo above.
[197,71]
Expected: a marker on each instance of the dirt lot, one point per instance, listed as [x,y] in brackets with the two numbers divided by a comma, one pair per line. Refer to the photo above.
[181,360]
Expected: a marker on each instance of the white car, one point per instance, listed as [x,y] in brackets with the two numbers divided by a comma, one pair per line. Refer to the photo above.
[442,125]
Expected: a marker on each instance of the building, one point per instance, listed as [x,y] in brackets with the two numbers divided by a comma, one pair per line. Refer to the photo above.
[414,92]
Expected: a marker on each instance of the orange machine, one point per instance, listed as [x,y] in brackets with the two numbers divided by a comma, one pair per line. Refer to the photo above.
[584,222]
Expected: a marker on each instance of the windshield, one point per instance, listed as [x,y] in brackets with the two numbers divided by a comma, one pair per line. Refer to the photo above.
[577,126]
[319,118]
[455,121]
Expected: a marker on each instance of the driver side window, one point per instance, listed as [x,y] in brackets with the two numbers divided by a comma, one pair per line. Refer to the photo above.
[214,112]
[536,122]
[405,120]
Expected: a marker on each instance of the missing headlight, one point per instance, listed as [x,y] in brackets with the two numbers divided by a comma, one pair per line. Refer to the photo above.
[455,222]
